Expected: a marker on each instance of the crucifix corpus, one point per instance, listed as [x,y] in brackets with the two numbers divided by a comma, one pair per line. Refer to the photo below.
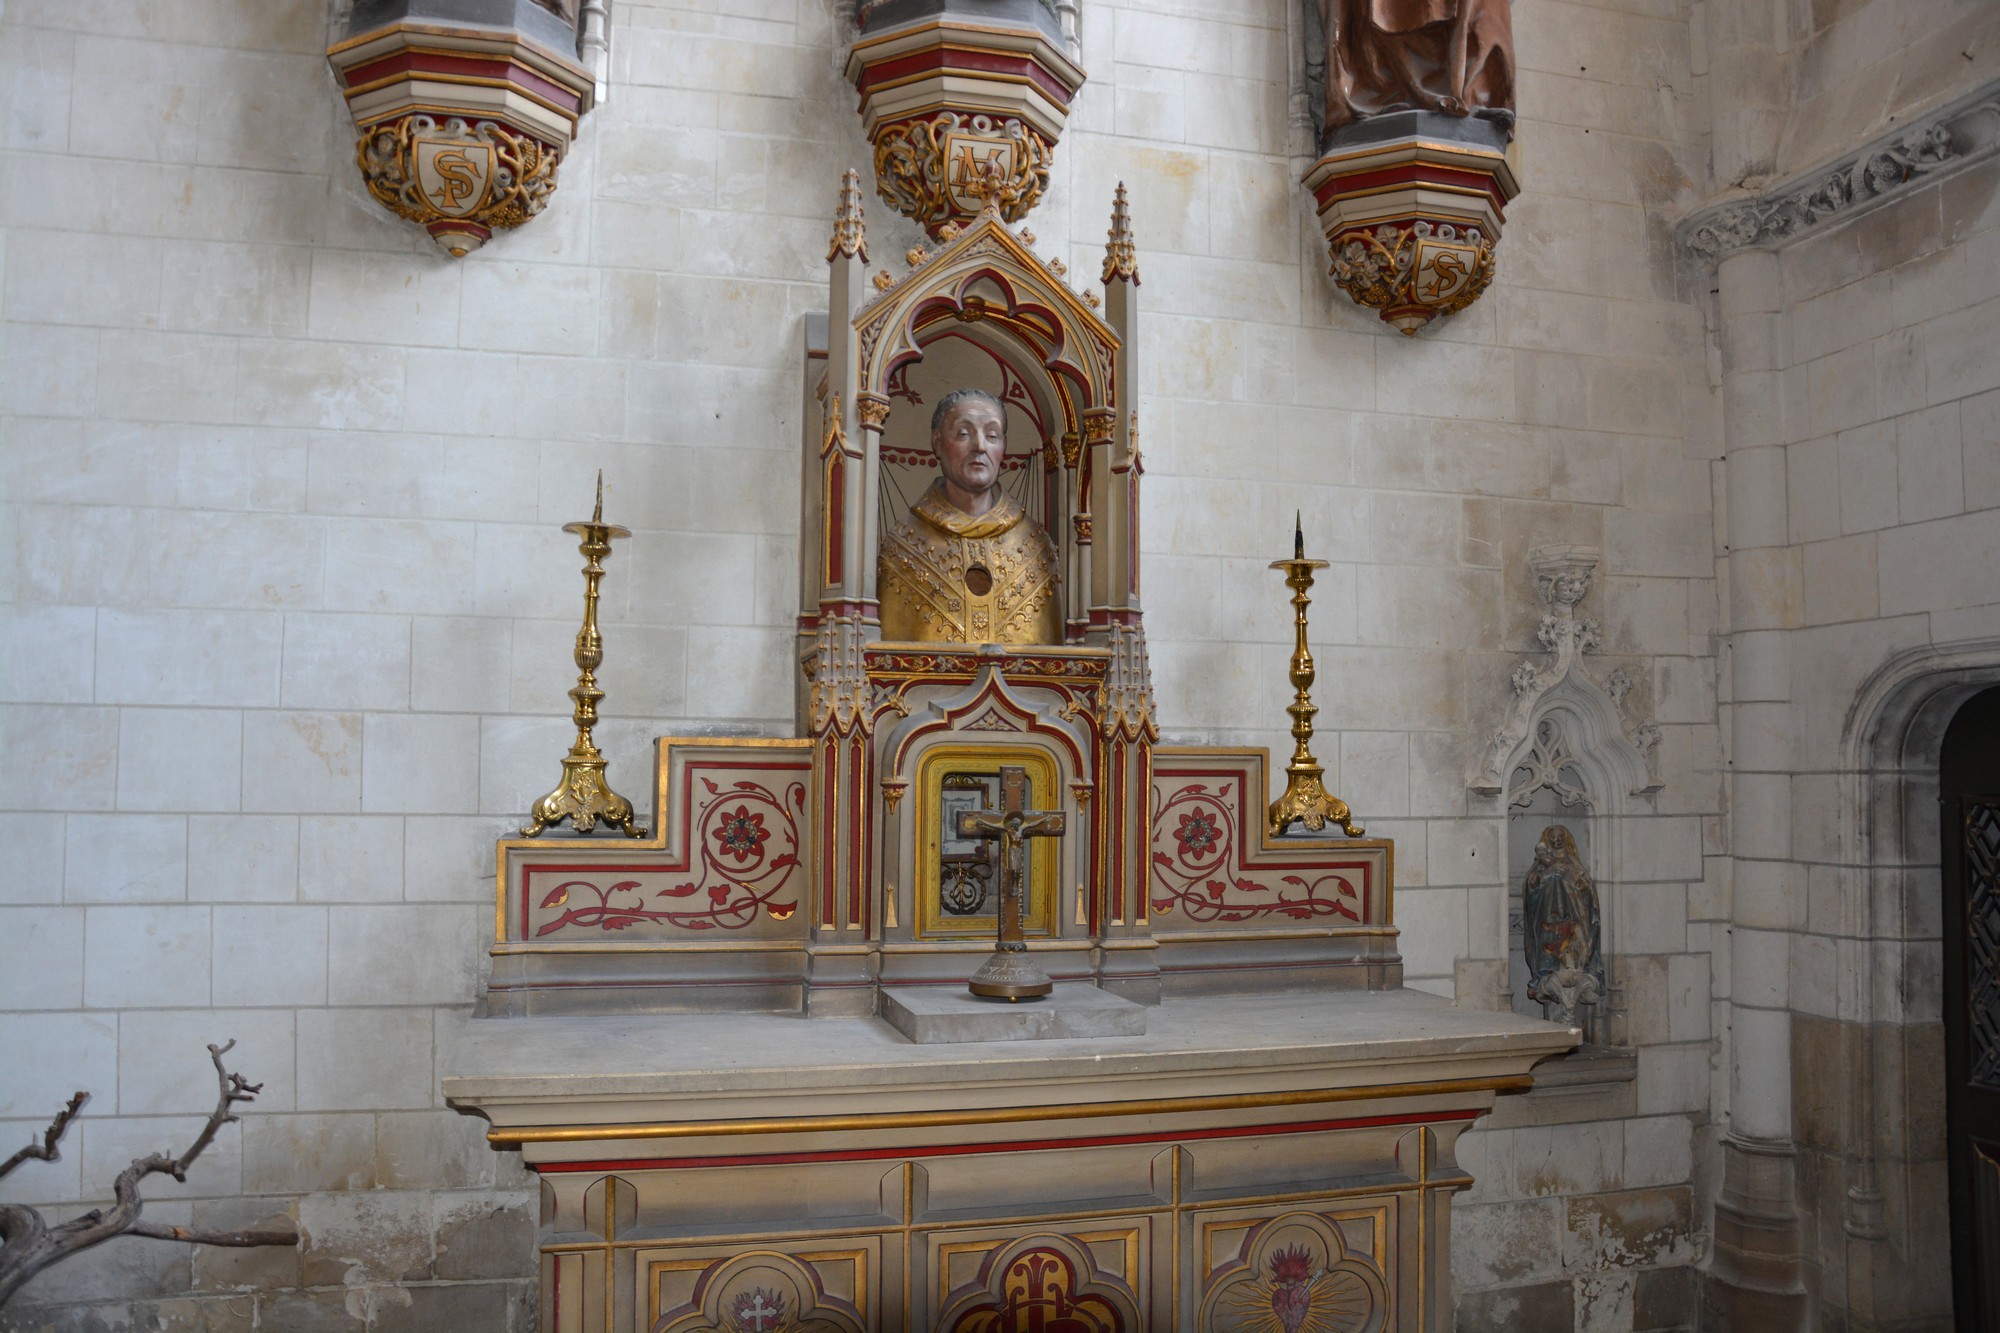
[1009,974]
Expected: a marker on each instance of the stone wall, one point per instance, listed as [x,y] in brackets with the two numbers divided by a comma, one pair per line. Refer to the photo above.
[1888,398]
[1793,85]
[290,613]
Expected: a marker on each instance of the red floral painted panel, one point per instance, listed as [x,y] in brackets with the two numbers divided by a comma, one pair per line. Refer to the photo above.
[1210,864]
[737,867]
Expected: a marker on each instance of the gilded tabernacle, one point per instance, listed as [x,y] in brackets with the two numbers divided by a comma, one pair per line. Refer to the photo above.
[968,565]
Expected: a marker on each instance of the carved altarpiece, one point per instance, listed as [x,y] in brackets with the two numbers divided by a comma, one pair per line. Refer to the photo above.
[679,1032]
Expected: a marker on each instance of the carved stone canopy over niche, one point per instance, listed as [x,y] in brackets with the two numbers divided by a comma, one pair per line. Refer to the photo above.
[962,97]
[465,108]
[1623,747]
[1413,103]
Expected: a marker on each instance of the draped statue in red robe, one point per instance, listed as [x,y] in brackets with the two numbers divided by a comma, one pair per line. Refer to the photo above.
[1449,56]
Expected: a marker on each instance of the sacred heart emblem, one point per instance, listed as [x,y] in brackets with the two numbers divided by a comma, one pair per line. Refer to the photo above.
[1443,269]
[454,173]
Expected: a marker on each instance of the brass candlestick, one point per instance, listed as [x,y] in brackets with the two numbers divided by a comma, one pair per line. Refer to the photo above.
[584,795]
[1306,800]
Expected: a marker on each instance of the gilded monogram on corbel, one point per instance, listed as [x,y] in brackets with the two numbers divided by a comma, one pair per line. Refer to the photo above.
[963,110]
[461,180]
[1413,273]
[460,129]
[925,169]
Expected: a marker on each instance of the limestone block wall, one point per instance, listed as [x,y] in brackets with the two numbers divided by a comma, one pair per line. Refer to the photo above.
[1888,399]
[1796,83]
[289,611]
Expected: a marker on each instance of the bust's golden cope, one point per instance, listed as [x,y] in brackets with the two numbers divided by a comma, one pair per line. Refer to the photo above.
[968,565]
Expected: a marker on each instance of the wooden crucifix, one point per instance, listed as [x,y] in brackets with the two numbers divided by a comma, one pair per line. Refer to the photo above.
[1010,974]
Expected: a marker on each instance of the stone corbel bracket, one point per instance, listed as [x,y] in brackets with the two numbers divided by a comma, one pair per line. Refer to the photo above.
[1412,204]
[461,128]
[1629,745]
[1955,135]
[953,93]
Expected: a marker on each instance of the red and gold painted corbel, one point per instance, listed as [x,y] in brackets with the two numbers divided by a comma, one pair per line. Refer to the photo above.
[461,129]
[951,104]
[1411,223]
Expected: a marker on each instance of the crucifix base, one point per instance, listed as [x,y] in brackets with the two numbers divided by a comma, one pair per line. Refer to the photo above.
[937,1015]
[1010,974]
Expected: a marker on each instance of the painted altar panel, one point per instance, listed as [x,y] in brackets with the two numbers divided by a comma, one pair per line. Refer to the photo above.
[711,905]
[1214,864]
[731,858]
[1234,909]
[1190,1227]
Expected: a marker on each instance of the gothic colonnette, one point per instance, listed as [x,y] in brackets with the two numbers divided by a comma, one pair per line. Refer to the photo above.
[1658,534]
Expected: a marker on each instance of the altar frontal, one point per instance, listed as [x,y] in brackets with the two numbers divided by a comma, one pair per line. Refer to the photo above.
[971,1006]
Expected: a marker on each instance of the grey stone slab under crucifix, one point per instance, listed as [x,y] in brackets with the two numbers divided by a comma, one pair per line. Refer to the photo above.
[1010,974]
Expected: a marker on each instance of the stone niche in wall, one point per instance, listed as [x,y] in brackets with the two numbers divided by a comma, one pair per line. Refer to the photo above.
[1570,755]
[464,108]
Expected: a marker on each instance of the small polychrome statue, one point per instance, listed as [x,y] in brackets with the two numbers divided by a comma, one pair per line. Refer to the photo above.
[968,565]
[1450,56]
[1560,927]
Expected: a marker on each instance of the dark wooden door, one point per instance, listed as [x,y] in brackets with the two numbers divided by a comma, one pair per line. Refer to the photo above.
[1969,820]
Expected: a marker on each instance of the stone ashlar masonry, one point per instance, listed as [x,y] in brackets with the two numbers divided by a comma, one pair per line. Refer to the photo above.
[289,611]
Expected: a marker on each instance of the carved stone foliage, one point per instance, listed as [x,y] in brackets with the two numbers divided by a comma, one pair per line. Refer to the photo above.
[1414,275]
[1412,219]
[1296,1273]
[962,106]
[1953,135]
[927,169]
[461,181]
[460,129]
[1627,746]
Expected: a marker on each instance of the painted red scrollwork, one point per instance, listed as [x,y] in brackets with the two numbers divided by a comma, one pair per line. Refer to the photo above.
[746,849]
[1197,862]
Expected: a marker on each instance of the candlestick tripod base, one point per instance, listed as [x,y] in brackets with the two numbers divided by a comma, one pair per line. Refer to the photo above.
[584,798]
[1306,801]
[1010,974]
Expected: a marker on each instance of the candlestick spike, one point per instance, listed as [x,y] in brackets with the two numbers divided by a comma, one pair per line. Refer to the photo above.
[1298,535]
[584,795]
[1306,799]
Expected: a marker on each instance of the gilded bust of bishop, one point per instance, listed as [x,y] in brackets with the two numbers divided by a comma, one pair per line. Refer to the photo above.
[968,565]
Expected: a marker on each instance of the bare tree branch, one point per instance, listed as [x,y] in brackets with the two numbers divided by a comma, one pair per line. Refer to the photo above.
[280,1235]
[28,1244]
[45,1151]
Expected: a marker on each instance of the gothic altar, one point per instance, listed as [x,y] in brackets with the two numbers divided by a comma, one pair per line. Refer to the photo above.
[1241,1120]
